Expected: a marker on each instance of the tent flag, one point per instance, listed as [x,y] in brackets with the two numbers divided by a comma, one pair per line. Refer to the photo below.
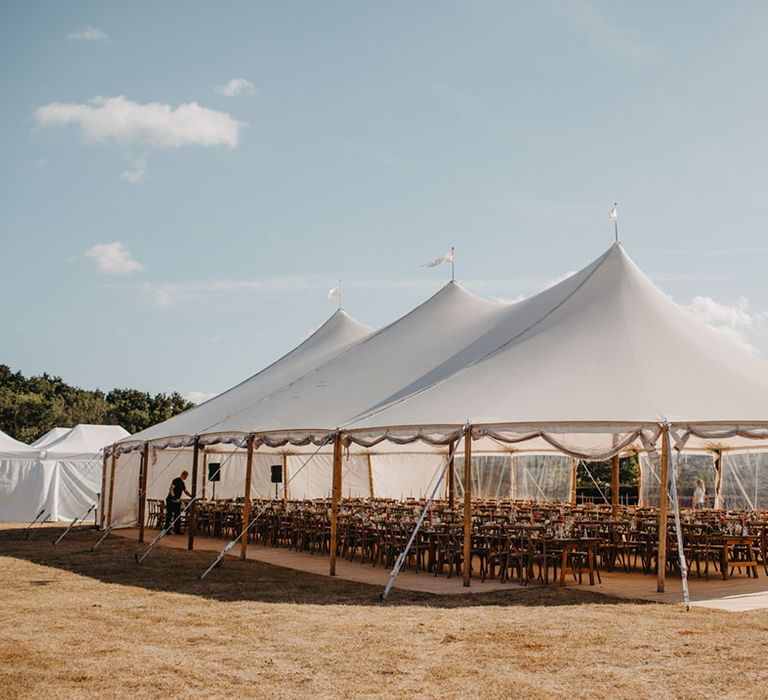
[335,293]
[442,260]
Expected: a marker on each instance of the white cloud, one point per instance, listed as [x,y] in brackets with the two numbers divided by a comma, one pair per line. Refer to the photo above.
[123,121]
[733,321]
[89,34]
[235,87]
[135,172]
[197,397]
[113,259]
[162,297]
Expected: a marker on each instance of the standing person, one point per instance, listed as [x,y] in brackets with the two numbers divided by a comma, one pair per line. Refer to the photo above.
[699,500]
[173,502]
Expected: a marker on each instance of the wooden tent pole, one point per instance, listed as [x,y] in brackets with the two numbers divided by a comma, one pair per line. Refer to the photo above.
[335,496]
[574,475]
[103,494]
[467,505]
[247,498]
[615,486]
[111,488]
[370,475]
[661,561]
[452,475]
[192,511]
[143,470]
[639,480]
[285,481]
[205,471]
[719,465]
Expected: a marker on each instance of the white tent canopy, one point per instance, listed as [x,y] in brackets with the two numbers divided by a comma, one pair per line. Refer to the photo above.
[590,367]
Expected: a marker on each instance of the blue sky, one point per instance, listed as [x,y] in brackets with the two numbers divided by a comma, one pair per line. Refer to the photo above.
[166,228]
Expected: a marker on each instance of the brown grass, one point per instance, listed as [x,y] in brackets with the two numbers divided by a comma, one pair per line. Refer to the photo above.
[80,624]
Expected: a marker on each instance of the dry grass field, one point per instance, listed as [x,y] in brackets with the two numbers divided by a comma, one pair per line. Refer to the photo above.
[80,624]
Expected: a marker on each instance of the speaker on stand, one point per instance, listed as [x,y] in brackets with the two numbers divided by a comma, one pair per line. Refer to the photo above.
[214,475]
[277,476]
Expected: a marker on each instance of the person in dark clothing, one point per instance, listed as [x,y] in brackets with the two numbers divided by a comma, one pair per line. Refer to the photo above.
[173,502]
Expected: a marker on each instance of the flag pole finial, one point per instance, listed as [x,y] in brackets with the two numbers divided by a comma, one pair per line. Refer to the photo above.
[453,264]
[613,215]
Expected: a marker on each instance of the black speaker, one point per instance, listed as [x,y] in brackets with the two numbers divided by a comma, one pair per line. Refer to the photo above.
[277,473]
[214,471]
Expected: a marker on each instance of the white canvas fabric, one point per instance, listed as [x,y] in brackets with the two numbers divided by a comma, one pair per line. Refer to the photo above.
[336,335]
[604,353]
[11,447]
[588,368]
[63,476]
[52,435]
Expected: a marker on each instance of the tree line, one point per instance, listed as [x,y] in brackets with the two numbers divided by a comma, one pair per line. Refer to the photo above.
[30,407]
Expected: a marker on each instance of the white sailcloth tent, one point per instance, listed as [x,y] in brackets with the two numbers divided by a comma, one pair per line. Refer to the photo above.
[601,364]
[60,473]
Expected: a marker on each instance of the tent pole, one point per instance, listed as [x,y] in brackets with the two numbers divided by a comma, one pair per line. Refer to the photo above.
[615,486]
[143,489]
[661,559]
[451,475]
[111,487]
[335,495]
[574,474]
[285,482]
[639,480]
[192,517]
[370,475]
[205,471]
[246,498]
[719,465]
[467,504]
[103,494]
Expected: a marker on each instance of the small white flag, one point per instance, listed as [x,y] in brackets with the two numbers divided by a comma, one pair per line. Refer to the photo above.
[334,293]
[613,215]
[447,258]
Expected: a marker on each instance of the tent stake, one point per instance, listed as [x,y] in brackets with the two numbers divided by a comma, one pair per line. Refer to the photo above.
[74,522]
[244,532]
[109,529]
[678,529]
[163,533]
[29,527]
[401,557]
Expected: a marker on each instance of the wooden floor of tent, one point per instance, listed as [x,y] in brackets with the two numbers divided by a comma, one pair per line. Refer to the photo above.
[737,594]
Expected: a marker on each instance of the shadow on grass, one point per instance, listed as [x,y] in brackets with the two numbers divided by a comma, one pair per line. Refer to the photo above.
[176,571]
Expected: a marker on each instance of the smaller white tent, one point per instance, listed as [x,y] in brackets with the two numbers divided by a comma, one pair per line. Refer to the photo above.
[77,460]
[25,484]
[60,473]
